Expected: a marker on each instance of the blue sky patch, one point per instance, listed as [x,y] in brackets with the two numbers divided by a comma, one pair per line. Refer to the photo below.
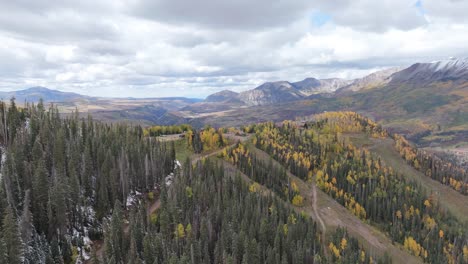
[419,7]
[320,18]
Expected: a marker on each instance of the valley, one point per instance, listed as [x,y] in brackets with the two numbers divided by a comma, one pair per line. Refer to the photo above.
[322,176]
[427,102]
[347,177]
[233,132]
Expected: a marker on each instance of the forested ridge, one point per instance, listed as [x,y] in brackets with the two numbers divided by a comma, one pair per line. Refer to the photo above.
[61,177]
[441,170]
[69,184]
[209,217]
[317,152]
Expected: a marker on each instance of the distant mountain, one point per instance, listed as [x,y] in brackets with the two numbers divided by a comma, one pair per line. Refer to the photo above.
[426,101]
[446,70]
[283,91]
[373,80]
[271,93]
[223,96]
[310,86]
[34,94]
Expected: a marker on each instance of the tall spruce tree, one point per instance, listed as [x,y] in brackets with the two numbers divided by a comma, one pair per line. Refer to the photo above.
[12,238]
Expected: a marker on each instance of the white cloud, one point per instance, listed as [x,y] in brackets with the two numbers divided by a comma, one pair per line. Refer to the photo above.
[193,48]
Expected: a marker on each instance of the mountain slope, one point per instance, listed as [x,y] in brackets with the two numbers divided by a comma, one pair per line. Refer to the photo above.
[223,96]
[427,102]
[34,94]
[271,93]
[453,69]
[311,86]
[373,80]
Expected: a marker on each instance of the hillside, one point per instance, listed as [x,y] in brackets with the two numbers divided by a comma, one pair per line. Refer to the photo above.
[361,182]
[222,97]
[271,93]
[310,86]
[373,80]
[428,102]
[316,183]
[124,197]
[34,94]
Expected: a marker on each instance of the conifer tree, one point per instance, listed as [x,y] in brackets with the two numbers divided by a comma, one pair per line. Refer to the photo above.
[12,238]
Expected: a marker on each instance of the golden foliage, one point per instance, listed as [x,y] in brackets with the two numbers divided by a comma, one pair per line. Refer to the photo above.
[412,246]
[180,231]
[334,250]
[254,187]
[298,200]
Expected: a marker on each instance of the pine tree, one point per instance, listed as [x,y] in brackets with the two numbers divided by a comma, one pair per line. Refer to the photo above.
[3,251]
[12,238]
[116,233]
[40,196]
[26,222]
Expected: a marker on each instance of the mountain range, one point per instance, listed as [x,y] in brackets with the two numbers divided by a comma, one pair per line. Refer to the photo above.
[284,91]
[34,94]
[426,101]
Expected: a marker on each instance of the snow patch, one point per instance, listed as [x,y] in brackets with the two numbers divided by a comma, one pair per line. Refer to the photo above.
[169,179]
[451,63]
[130,200]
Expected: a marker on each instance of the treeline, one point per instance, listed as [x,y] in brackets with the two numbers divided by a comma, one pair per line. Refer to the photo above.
[342,247]
[265,173]
[210,217]
[156,131]
[346,122]
[432,166]
[60,178]
[207,216]
[346,249]
[367,188]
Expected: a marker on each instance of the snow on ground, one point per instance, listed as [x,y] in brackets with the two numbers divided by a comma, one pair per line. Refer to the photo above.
[131,198]
[170,178]
[27,124]
[89,213]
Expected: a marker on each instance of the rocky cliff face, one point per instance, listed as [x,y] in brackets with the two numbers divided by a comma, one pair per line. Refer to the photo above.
[312,86]
[373,80]
[279,92]
[270,93]
[455,70]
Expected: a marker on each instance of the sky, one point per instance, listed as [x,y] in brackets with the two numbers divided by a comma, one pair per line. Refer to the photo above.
[158,48]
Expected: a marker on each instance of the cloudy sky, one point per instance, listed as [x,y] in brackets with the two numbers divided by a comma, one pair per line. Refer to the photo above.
[192,48]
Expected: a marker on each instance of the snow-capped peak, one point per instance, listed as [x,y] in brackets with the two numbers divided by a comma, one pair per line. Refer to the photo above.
[449,64]
[449,69]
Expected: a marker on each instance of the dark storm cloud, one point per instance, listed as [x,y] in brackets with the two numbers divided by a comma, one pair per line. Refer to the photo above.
[240,14]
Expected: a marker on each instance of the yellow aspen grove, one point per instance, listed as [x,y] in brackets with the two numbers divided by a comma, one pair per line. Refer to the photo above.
[298,200]
[365,184]
[334,250]
[343,243]
[180,232]
[465,253]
